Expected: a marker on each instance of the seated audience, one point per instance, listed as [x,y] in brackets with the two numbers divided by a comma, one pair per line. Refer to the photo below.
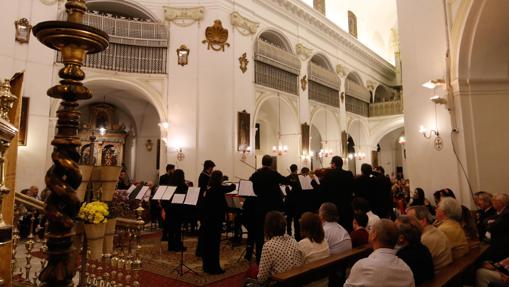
[467,220]
[412,251]
[449,213]
[313,245]
[280,253]
[382,268]
[498,229]
[418,198]
[485,213]
[435,240]
[493,274]
[336,236]
[359,235]
[361,205]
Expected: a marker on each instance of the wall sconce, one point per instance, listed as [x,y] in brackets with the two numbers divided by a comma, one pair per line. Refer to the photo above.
[438,142]
[182,55]
[357,155]
[432,84]
[402,139]
[280,149]
[149,145]
[325,153]
[306,156]
[245,150]
[180,154]
[23,29]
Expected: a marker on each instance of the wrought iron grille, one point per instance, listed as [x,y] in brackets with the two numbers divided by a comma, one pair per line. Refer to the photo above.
[273,77]
[357,106]
[385,108]
[135,46]
[323,94]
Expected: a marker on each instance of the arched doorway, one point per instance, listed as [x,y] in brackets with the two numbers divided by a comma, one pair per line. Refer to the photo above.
[391,153]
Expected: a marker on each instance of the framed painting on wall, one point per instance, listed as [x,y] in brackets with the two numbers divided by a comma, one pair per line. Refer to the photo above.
[23,123]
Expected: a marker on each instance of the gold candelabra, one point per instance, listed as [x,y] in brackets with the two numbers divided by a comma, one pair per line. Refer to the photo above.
[74,40]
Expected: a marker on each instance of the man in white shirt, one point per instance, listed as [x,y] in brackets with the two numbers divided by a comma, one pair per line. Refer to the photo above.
[362,205]
[434,239]
[337,237]
[382,268]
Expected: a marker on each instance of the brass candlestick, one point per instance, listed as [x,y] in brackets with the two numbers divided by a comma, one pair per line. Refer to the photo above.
[74,40]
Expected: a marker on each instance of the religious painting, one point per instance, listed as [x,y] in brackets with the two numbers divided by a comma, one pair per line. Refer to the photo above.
[374,158]
[352,24]
[243,130]
[23,123]
[86,157]
[305,138]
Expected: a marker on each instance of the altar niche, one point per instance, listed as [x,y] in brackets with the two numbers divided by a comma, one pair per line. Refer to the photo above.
[110,136]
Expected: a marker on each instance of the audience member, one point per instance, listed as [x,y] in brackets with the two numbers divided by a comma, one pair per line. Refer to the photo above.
[336,236]
[449,213]
[485,213]
[412,251]
[359,235]
[493,274]
[280,253]
[313,245]
[382,268]
[435,240]
[498,229]
[361,205]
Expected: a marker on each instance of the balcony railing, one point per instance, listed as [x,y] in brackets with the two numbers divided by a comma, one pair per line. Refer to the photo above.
[357,91]
[385,108]
[276,78]
[356,106]
[135,46]
[277,57]
[323,94]
[323,76]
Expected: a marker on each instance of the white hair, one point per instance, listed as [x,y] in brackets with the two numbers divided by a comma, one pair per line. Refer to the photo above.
[451,208]
[502,198]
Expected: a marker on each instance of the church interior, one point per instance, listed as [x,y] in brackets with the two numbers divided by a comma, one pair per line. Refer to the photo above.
[247,142]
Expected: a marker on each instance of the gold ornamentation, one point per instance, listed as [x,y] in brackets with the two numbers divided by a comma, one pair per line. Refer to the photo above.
[182,55]
[7,99]
[243,63]
[183,16]
[216,36]
[149,145]
[303,52]
[370,85]
[23,29]
[303,83]
[243,24]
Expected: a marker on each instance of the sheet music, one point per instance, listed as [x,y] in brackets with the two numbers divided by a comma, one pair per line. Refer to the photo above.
[246,188]
[131,189]
[192,196]
[178,198]
[169,193]
[142,192]
[159,192]
[305,182]
[283,189]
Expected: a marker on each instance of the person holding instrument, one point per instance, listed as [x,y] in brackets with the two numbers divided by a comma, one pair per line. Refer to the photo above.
[213,212]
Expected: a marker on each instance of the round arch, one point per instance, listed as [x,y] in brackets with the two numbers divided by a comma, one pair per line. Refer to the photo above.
[265,98]
[277,38]
[363,131]
[129,7]
[322,61]
[355,77]
[386,127]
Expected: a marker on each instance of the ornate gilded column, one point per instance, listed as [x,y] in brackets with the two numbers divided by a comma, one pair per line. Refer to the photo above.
[74,41]
[7,133]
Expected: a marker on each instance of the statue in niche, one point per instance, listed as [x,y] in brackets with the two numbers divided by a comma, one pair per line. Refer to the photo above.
[85,156]
[109,156]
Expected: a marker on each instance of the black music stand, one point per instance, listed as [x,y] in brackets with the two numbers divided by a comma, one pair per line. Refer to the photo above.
[193,201]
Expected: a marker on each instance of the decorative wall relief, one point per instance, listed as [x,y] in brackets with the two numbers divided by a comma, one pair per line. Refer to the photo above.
[303,52]
[183,16]
[243,24]
[216,36]
[370,85]
[23,29]
[243,130]
[243,63]
[341,70]
[303,83]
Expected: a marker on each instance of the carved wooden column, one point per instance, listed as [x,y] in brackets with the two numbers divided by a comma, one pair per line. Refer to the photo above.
[74,40]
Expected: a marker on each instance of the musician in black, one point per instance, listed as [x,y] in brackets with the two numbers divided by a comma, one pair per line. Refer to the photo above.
[213,214]
[165,179]
[337,187]
[292,194]
[266,183]
[175,213]
[203,182]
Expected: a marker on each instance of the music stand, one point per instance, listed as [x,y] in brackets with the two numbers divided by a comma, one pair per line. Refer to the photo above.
[191,198]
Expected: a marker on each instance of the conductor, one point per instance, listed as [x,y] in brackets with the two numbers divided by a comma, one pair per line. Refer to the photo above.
[266,183]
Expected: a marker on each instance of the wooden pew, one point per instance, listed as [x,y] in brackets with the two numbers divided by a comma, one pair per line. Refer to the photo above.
[452,275]
[316,270]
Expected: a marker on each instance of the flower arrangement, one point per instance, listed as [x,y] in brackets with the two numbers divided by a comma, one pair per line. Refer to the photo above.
[93,212]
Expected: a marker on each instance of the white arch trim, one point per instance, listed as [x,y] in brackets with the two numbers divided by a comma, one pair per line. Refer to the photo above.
[274,30]
[364,131]
[386,127]
[266,97]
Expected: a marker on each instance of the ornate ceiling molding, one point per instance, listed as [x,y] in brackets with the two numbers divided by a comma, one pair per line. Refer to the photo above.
[183,16]
[303,52]
[301,13]
[244,25]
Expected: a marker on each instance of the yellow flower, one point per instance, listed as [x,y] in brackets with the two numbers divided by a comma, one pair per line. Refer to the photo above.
[94,212]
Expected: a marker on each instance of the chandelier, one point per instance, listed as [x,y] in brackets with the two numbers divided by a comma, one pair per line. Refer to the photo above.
[357,155]
[280,149]
[325,153]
